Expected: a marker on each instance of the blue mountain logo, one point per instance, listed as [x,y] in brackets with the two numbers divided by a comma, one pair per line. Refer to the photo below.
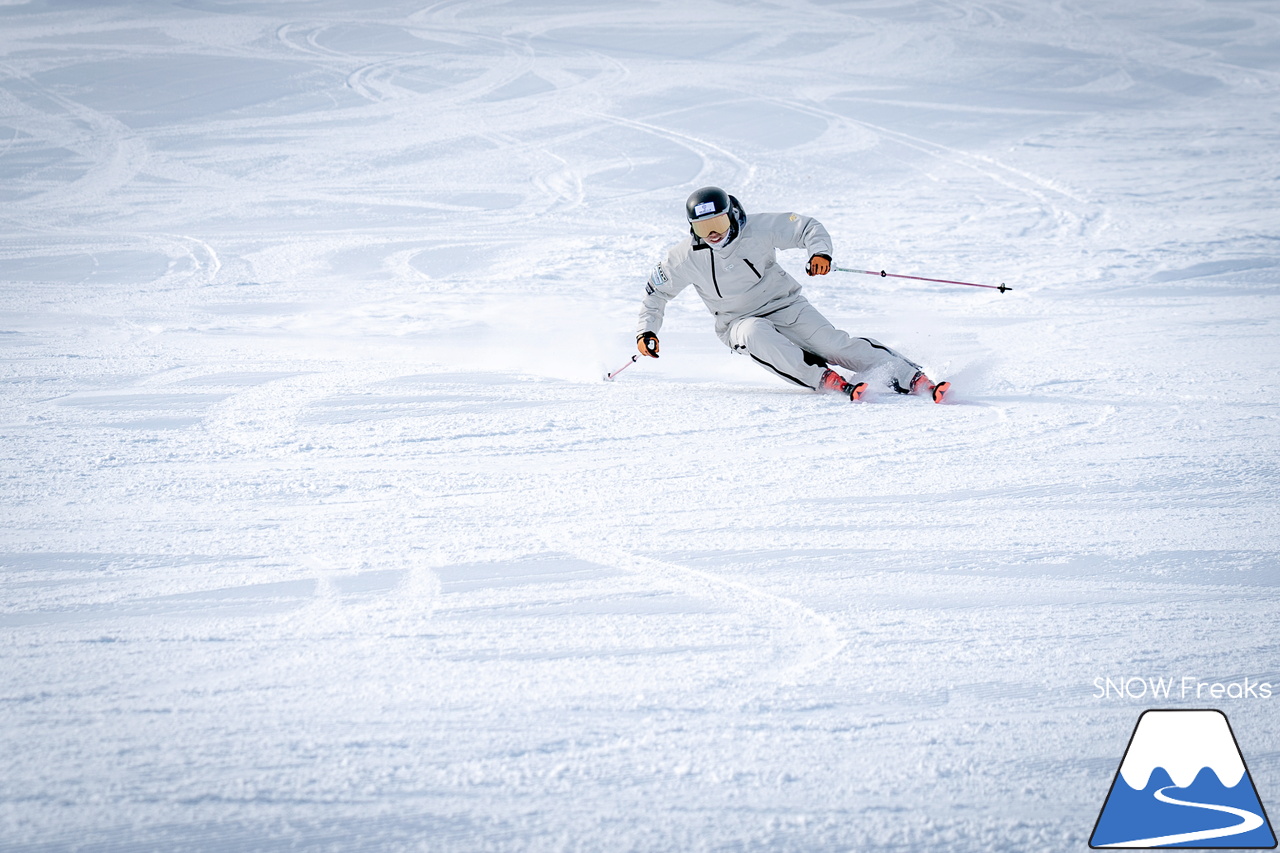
[1183,783]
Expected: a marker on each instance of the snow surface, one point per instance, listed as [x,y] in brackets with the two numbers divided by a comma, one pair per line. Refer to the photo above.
[321,530]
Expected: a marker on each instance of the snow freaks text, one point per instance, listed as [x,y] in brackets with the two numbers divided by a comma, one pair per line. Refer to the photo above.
[1187,687]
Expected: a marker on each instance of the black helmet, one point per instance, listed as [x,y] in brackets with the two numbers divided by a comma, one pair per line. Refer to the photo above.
[712,203]
[706,203]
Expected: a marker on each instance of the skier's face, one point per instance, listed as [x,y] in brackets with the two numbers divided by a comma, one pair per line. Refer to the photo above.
[712,230]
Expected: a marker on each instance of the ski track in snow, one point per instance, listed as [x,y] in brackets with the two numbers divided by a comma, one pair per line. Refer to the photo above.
[322,531]
[1248,822]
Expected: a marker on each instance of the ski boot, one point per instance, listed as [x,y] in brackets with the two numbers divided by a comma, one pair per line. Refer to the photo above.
[835,383]
[921,385]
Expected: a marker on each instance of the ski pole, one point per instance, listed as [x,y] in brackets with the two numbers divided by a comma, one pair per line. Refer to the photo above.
[632,361]
[1002,287]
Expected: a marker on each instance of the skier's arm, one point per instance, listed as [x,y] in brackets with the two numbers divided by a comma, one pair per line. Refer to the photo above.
[658,291]
[794,231]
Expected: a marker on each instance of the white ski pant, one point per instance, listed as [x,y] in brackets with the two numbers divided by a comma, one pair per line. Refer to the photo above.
[787,340]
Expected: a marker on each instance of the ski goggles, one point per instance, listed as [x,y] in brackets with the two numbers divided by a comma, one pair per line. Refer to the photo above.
[718,224]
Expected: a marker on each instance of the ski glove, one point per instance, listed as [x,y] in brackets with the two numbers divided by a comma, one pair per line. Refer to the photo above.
[819,265]
[647,343]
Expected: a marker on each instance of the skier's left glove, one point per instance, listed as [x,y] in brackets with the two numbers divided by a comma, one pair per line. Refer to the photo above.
[819,265]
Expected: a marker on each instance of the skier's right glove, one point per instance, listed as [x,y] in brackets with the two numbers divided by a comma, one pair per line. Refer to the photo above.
[647,343]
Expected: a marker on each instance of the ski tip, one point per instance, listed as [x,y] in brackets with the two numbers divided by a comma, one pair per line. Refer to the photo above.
[941,391]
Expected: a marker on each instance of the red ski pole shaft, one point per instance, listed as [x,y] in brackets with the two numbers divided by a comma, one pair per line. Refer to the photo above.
[632,361]
[1002,287]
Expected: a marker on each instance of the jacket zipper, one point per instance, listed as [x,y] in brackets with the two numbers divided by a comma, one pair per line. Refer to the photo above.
[753,268]
[713,274]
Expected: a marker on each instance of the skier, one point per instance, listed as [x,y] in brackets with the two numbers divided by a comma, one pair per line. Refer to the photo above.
[731,260]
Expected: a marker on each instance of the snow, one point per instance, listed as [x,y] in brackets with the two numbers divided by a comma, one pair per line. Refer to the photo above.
[321,530]
[1183,743]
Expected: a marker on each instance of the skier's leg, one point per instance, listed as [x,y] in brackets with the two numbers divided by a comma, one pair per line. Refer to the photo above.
[757,338]
[814,333]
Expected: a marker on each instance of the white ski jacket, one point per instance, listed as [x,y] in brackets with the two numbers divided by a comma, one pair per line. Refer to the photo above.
[742,279]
